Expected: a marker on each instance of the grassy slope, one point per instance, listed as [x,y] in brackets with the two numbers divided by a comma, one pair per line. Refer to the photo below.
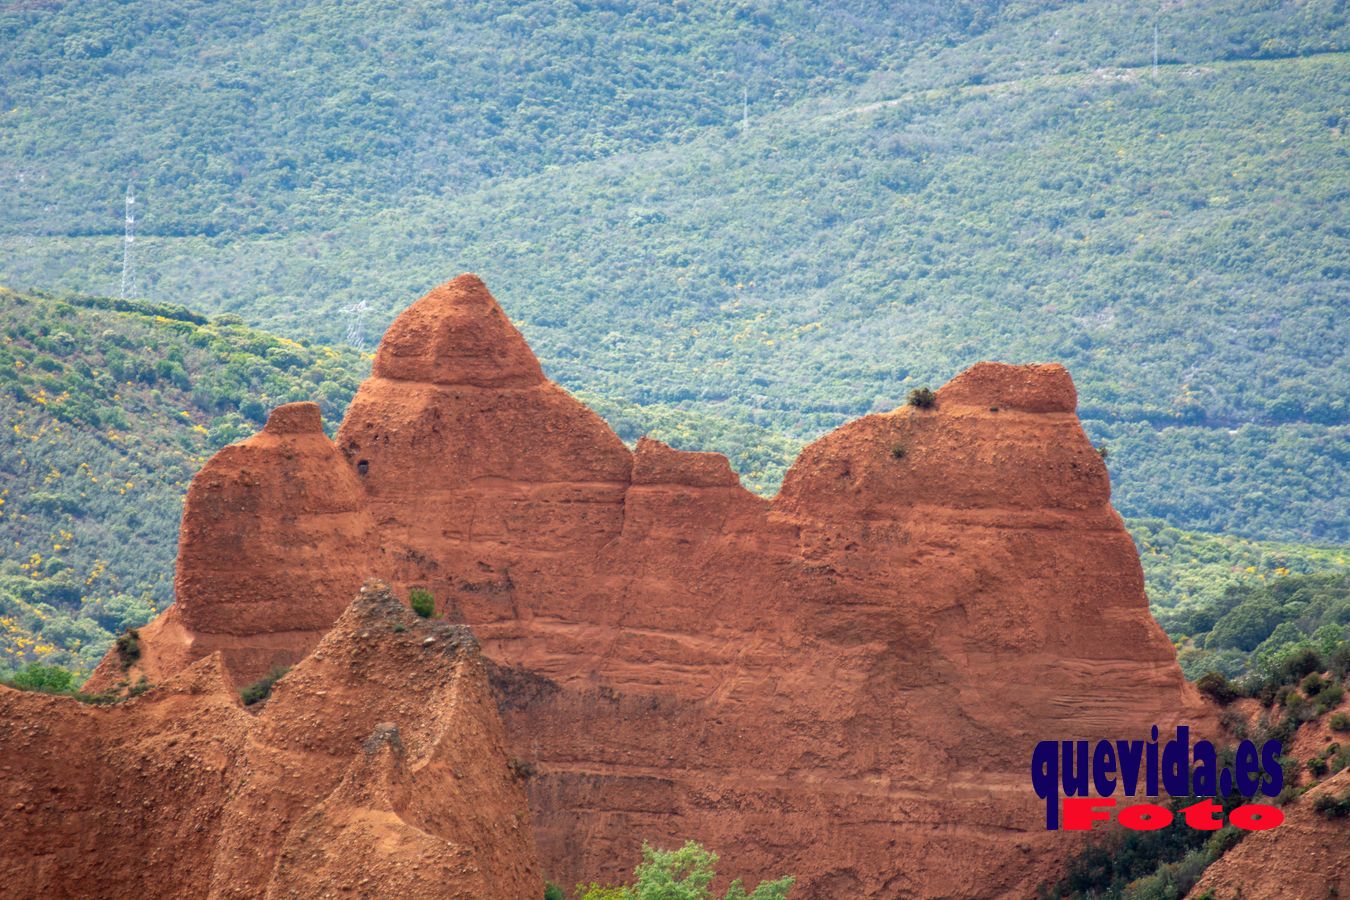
[1020,189]
[112,410]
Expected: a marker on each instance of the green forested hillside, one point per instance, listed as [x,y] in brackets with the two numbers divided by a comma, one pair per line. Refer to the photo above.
[1234,606]
[110,407]
[752,214]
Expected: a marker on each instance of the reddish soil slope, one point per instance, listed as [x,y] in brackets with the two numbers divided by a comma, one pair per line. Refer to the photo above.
[1305,858]
[379,761]
[844,683]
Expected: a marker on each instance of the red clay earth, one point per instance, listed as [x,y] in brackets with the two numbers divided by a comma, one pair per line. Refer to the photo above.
[378,766]
[843,683]
[1306,858]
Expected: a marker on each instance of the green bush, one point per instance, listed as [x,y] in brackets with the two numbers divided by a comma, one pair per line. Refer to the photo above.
[1137,864]
[1338,758]
[898,451]
[1217,687]
[595,891]
[683,874]
[422,602]
[1312,685]
[1329,698]
[128,647]
[262,688]
[1234,723]
[1302,662]
[1340,722]
[1293,775]
[553,892]
[923,398]
[1336,807]
[1277,630]
[1339,660]
[46,679]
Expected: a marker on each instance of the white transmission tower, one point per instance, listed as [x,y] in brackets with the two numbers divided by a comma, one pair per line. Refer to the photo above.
[1155,50]
[128,261]
[356,324]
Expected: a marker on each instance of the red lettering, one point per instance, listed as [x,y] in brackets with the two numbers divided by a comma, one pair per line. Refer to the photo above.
[1145,817]
[1082,813]
[1202,816]
[1078,813]
[1256,816]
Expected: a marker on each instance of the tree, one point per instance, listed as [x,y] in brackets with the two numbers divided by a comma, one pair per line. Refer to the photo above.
[47,679]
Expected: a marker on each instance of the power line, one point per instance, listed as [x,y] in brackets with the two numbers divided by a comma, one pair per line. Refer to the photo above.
[1155,50]
[129,238]
[356,324]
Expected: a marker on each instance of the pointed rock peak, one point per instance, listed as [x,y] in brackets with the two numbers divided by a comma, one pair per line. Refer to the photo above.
[376,599]
[377,605]
[1033,388]
[295,418]
[457,334]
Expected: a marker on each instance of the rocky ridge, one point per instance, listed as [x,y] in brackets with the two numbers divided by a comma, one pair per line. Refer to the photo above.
[843,683]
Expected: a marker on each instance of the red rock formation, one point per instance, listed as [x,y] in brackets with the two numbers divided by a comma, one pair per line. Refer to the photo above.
[378,767]
[844,683]
[275,537]
[1305,858]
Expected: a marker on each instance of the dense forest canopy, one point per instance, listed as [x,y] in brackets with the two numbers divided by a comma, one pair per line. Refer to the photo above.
[753,215]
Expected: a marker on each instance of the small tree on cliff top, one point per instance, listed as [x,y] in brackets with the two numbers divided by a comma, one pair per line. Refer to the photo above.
[923,398]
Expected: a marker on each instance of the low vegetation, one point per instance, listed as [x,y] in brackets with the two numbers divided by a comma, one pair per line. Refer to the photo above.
[90,504]
[1333,806]
[261,689]
[56,680]
[422,602]
[923,398]
[109,407]
[1258,625]
[683,874]
[1157,865]
[128,646]
[46,679]
[1217,688]
[1174,238]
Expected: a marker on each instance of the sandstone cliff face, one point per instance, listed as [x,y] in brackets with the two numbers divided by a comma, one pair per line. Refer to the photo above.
[377,768]
[844,683]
